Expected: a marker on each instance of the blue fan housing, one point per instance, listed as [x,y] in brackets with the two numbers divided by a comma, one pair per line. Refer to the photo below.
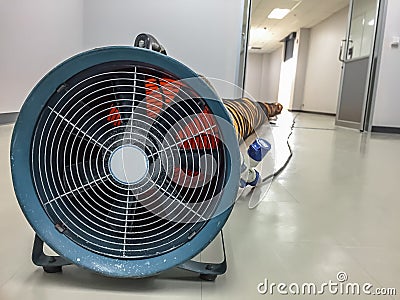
[24,168]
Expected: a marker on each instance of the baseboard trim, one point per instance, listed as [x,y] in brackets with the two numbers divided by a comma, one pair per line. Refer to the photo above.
[313,112]
[384,129]
[348,124]
[8,118]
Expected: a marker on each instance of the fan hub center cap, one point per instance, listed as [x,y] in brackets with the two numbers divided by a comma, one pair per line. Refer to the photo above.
[128,164]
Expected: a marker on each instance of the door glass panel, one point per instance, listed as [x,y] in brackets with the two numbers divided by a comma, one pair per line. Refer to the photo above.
[362,28]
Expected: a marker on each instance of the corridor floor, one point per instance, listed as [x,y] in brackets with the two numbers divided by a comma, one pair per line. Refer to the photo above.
[335,208]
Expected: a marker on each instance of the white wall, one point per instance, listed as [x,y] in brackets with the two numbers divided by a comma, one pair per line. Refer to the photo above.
[293,73]
[286,82]
[35,36]
[204,35]
[262,75]
[287,78]
[269,86]
[387,102]
[322,81]
[254,78]
[303,41]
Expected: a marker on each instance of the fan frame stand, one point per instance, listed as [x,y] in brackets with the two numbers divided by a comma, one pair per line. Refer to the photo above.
[53,263]
[50,263]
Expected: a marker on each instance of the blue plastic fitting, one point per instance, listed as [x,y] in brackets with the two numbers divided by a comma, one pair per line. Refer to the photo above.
[256,180]
[258,149]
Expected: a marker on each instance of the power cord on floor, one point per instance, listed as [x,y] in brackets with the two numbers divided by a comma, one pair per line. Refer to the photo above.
[277,172]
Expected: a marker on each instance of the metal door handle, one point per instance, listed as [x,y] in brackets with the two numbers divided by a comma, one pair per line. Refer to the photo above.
[342,45]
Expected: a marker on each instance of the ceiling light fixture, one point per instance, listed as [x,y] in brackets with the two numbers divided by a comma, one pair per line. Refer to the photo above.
[278,13]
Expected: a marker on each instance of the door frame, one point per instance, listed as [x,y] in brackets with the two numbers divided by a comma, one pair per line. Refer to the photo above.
[377,57]
[369,92]
[243,51]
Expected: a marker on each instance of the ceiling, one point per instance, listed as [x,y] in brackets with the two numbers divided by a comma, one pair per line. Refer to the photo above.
[266,33]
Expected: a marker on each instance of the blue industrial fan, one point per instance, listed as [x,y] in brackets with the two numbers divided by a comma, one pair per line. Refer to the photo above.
[123,166]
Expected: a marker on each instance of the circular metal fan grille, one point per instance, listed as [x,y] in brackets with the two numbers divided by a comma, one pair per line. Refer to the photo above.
[127,160]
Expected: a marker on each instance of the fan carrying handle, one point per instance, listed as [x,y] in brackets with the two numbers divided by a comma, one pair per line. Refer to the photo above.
[145,40]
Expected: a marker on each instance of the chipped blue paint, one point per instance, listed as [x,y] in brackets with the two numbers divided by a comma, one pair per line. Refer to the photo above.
[24,186]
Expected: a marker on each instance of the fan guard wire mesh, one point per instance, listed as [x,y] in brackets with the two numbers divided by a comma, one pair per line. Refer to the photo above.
[121,105]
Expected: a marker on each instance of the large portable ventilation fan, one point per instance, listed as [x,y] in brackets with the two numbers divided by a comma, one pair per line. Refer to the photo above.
[124,166]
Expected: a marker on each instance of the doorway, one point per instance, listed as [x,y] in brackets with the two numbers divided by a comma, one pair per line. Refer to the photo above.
[358,55]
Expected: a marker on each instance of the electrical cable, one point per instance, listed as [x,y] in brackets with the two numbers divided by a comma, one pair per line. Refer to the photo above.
[277,172]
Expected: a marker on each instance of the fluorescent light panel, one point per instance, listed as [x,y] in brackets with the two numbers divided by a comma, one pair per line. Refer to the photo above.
[278,13]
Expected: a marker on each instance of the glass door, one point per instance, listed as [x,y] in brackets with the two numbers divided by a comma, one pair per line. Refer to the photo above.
[357,56]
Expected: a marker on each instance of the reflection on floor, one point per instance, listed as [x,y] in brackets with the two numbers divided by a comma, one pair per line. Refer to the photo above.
[334,208]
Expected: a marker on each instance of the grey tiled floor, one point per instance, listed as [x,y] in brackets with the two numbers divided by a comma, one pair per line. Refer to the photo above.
[335,208]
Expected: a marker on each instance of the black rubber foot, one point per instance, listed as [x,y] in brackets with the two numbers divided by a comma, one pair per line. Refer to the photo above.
[208,277]
[48,269]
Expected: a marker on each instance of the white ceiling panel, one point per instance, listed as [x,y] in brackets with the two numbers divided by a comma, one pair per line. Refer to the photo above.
[266,33]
